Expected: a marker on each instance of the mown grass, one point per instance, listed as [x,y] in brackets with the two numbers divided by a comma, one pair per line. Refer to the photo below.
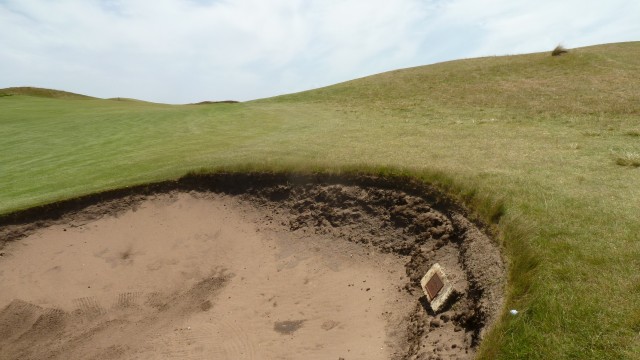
[526,141]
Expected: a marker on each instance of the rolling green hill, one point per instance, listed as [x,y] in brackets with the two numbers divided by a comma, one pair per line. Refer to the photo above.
[547,148]
[44,93]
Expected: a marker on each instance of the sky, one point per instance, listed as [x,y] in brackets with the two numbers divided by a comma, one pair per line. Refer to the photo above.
[184,51]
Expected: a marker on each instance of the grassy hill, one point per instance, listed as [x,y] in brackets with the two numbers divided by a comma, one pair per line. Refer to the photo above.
[44,93]
[597,80]
[547,148]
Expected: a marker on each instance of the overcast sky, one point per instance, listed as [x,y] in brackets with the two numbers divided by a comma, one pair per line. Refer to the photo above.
[180,51]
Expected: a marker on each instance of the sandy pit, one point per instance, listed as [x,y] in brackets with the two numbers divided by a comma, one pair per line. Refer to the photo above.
[245,268]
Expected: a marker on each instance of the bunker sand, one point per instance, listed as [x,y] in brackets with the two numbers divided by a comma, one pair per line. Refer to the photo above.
[307,271]
[190,277]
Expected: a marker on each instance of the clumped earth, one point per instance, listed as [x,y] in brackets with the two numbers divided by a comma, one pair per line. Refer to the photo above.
[352,248]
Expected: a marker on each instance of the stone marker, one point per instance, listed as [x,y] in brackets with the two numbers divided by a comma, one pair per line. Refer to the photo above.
[436,287]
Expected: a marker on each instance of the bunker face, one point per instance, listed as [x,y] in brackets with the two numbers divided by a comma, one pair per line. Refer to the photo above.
[276,271]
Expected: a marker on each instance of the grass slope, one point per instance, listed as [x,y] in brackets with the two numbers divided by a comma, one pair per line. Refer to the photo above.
[39,92]
[547,147]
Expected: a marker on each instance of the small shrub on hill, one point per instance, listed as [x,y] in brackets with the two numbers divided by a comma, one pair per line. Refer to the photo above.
[559,50]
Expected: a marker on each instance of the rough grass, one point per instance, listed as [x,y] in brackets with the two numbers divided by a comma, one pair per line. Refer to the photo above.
[628,158]
[526,141]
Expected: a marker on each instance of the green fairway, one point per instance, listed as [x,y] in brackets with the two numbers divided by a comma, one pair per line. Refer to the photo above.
[547,148]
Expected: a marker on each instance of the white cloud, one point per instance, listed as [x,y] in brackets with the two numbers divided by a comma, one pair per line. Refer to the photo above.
[509,27]
[190,50]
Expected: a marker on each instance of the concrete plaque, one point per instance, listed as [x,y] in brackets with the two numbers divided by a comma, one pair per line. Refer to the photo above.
[436,287]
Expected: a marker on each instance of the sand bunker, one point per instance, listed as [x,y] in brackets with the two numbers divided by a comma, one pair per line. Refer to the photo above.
[245,267]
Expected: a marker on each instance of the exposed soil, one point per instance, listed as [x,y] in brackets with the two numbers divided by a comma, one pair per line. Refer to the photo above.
[246,266]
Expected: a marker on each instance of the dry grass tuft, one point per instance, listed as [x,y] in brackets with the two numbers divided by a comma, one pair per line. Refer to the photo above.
[628,158]
[559,50]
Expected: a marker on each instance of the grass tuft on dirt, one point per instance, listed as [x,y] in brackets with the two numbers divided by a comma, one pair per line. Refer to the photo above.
[525,141]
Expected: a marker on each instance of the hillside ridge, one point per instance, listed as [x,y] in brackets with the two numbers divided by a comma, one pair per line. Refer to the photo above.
[595,80]
[586,80]
[42,92]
